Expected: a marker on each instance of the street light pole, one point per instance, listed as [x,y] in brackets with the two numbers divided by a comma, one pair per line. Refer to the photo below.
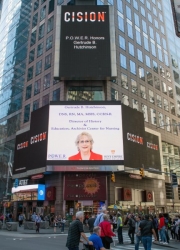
[7,185]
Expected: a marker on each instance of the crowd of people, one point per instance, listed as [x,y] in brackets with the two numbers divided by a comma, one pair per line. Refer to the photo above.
[104,227]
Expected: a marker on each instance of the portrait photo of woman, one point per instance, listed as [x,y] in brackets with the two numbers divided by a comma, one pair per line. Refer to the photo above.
[84,143]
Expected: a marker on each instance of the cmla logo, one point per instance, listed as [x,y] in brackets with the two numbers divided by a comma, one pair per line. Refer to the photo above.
[86,16]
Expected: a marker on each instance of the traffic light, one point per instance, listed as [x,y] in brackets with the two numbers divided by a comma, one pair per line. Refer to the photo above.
[113,177]
[141,172]
[16,183]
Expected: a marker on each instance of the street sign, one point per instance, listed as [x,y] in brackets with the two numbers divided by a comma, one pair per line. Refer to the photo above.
[135,176]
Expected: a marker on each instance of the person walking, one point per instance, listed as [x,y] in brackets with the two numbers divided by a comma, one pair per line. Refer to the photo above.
[55,222]
[156,225]
[99,217]
[63,221]
[162,228]
[96,239]
[131,231]
[37,222]
[137,232]
[119,228]
[91,223]
[146,229]
[20,219]
[75,232]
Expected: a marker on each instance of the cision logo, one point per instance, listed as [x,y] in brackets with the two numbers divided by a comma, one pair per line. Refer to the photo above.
[57,157]
[84,16]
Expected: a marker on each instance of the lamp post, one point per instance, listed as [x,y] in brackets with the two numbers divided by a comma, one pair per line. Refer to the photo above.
[7,184]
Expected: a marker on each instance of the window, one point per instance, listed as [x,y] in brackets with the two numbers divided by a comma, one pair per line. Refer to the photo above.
[166,106]
[145,112]
[131,49]
[48,61]
[134,86]
[148,5]
[132,67]
[128,13]
[130,30]
[47,81]
[82,93]
[49,42]
[148,61]
[31,55]
[33,38]
[177,91]
[169,191]
[154,11]
[143,11]
[50,24]
[166,59]
[155,67]
[98,2]
[43,13]
[144,26]
[162,29]
[26,113]
[56,95]
[151,96]
[114,94]
[151,32]
[51,6]
[37,87]
[168,75]
[39,49]
[35,19]
[164,87]
[176,77]
[157,83]
[138,36]
[168,122]
[149,78]
[143,91]
[36,5]
[38,67]
[41,31]
[161,120]
[172,108]
[124,81]
[156,24]
[125,100]
[28,91]
[158,38]
[120,5]
[174,127]
[136,19]
[30,73]
[160,17]
[121,23]
[135,4]
[35,104]
[135,104]
[159,6]
[153,116]
[45,100]
[149,18]
[146,45]
[162,71]
[140,55]
[122,42]
[141,73]
[153,49]
[159,101]
[123,61]
[43,1]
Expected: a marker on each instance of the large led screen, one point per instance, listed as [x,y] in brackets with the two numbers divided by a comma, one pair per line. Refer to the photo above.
[176,14]
[85,133]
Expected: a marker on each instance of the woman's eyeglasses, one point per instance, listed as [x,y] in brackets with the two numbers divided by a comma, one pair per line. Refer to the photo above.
[84,141]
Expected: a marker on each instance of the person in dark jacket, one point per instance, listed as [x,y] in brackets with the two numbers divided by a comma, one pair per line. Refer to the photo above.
[91,223]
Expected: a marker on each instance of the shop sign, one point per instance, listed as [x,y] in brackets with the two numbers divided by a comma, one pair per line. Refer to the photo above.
[37,177]
[23,182]
[135,176]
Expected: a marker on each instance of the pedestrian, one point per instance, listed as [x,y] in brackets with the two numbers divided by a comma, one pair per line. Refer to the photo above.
[91,223]
[146,228]
[156,225]
[137,232]
[177,224]
[63,221]
[33,217]
[37,222]
[119,228]
[96,239]
[20,219]
[99,217]
[55,222]
[173,227]
[131,230]
[162,228]
[106,232]
[75,232]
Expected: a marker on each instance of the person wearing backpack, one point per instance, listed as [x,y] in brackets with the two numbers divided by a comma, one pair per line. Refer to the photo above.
[131,223]
[155,225]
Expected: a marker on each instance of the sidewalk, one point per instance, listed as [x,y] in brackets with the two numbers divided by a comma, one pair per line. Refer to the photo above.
[172,244]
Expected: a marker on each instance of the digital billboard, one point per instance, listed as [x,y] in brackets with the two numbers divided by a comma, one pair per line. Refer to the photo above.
[176,15]
[81,133]
[86,43]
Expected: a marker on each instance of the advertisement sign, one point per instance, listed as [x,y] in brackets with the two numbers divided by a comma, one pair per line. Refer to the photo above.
[85,133]
[41,192]
[84,186]
[85,42]
[28,193]
[176,14]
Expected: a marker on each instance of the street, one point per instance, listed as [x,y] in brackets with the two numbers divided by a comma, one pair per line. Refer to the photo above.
[50,242]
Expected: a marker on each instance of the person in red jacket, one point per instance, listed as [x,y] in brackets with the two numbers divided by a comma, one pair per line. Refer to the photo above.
[106,231]
[162,228]
[84,143]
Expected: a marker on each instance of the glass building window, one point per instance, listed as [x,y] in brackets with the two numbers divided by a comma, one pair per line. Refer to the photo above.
[146,44]
[149,78]
[156,24]
[124,81]
[120,6]
[145,112]
[128,13]
[162,71]
[166,105]
[148,61]
[111,2]
[168,75]
[43,13]
[135,104]
[164,87]
[49,42]
[31,55]
[151,96]
[174,127]
[48,61]
[143,91]
[122,43]
[136,19]
[155,67]
[35,104]
[148,5]
[36,5]
[153,49]
[114,94]
[141,73]
[28,91]
[149,18]
[159,6]
[30,73]
[43,1]
[162,29]
[37,87]
[131,49]
[125,100]
[134,86]
[98,2]
[121,23]
[47,81]
[144,26]
[151,32]
[158,40]
[166,60]
[81,93]
[160,17]
[26,113]
[135,4]
[132,67]
[50,24]
[39,49]
[35,20]
[154,11]
[45,100]
[168,122]
[123,61]
[130,30]
[176,77]
[157,83]
[172,108]
[140,55]
[143,11]
[38,67]
[56,95]
[41,31]
[159,101]
[138,36]
[33,38]
[153,116]
[51,6]
[161,120]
